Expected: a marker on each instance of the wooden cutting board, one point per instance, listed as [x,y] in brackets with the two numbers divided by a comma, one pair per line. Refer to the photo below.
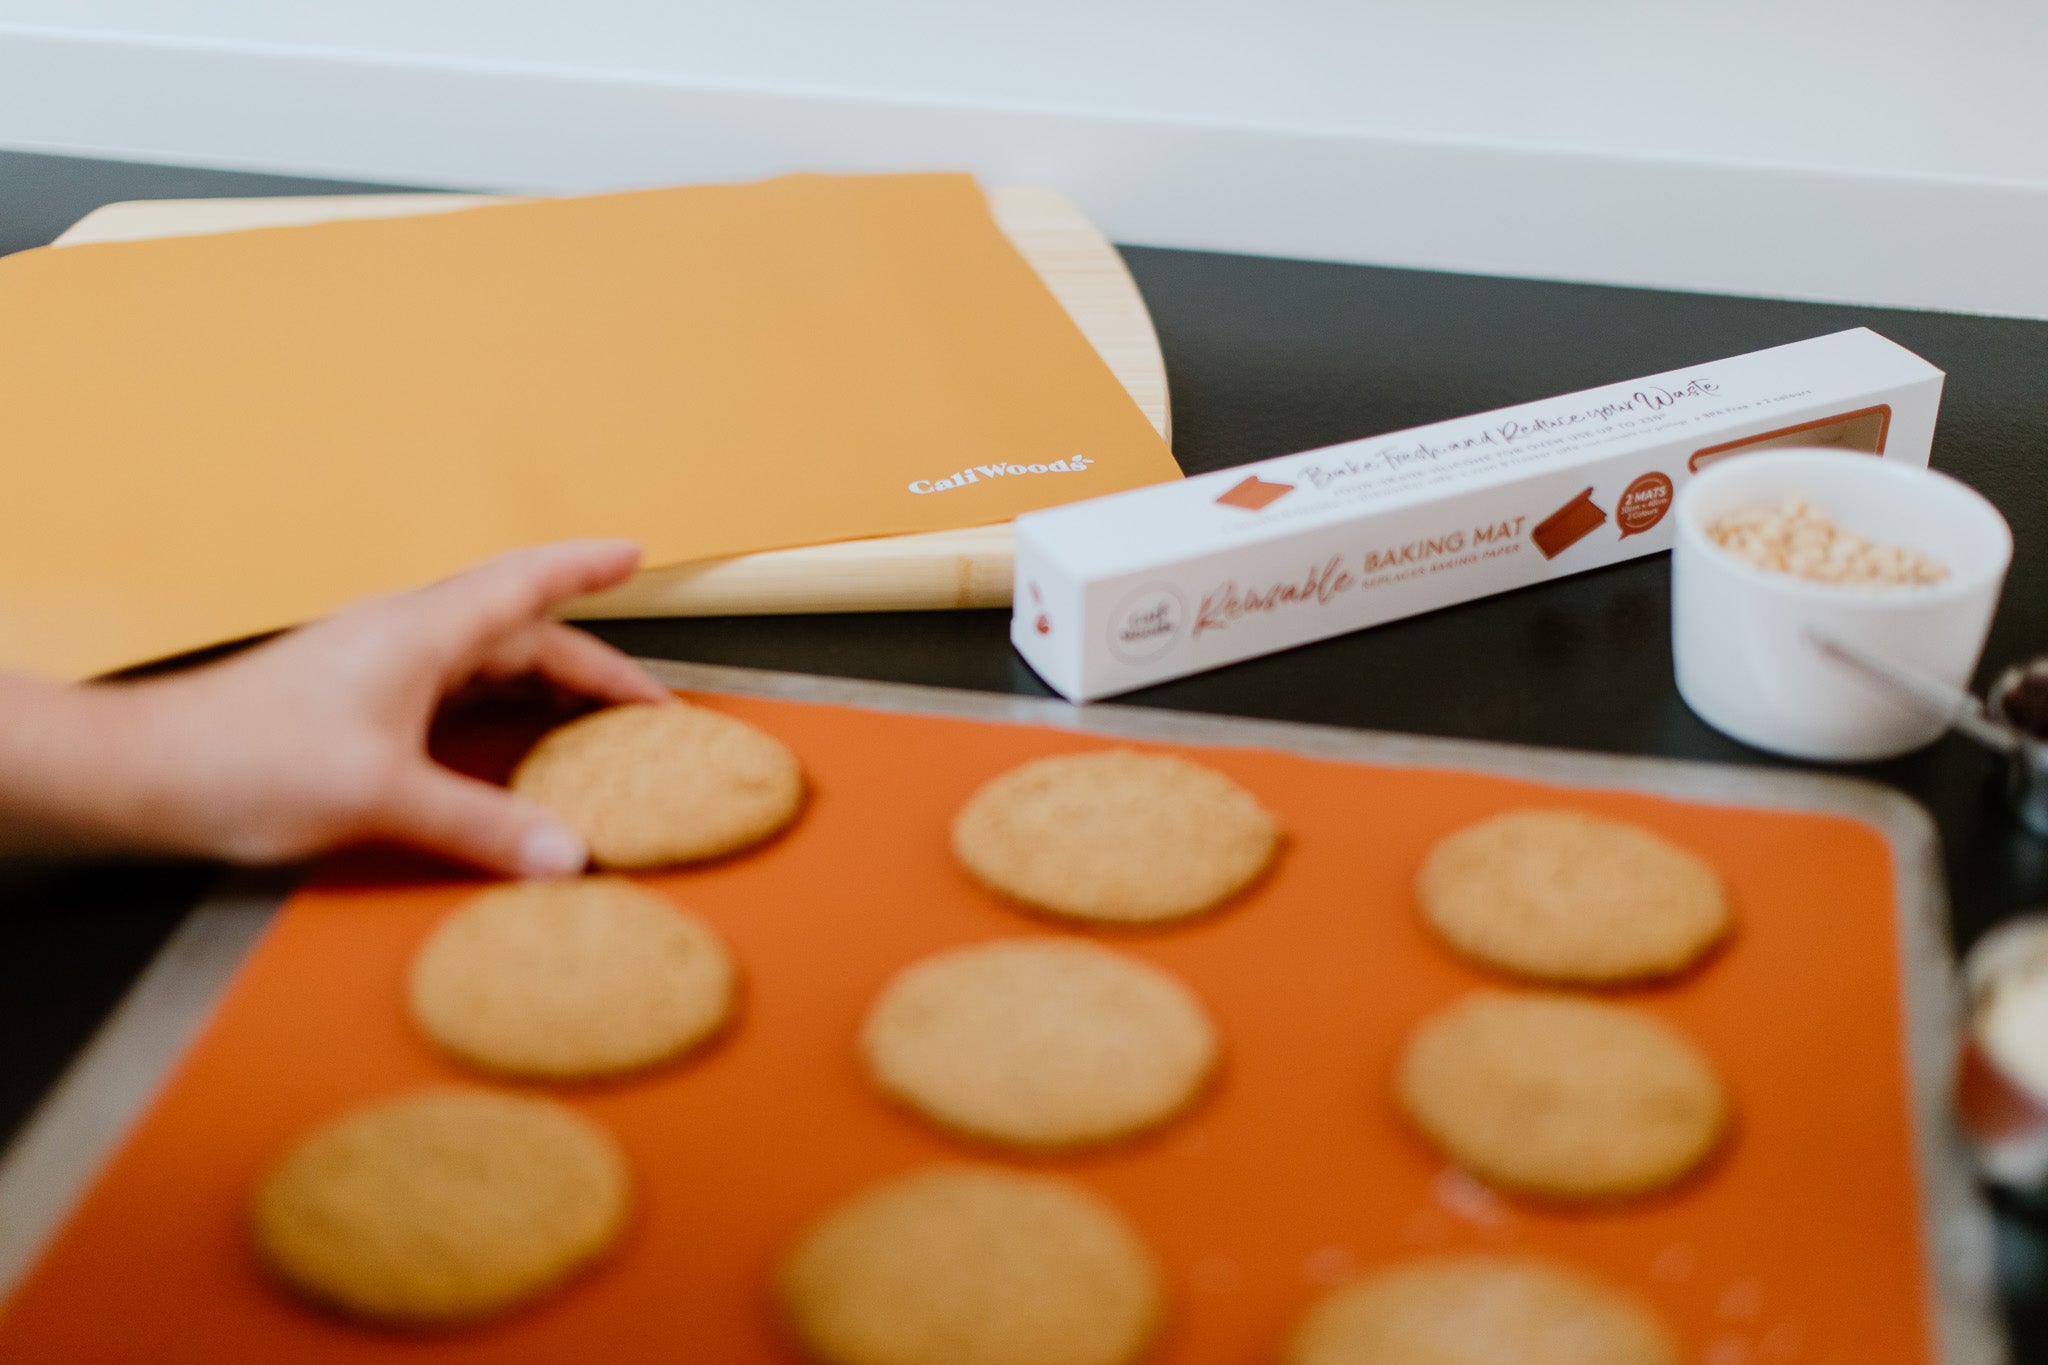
[936,570]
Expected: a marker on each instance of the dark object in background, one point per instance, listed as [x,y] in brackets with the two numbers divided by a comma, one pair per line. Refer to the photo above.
[2025,701]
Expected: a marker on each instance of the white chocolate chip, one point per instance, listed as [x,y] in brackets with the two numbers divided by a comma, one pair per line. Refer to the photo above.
[1792,538]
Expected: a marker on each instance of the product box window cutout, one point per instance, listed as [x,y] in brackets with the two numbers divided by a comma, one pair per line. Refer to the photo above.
[1863,430]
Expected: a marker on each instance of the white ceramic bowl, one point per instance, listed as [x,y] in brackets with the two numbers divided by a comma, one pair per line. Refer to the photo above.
[1739,633]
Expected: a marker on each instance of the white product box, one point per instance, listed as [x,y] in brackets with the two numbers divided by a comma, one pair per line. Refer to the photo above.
[1118,592]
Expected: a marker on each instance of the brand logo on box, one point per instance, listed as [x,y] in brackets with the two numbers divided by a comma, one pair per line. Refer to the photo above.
[960,478]
[1254,494]
[1147,624]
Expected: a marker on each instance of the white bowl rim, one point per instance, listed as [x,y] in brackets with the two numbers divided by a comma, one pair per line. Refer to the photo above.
[1858,594]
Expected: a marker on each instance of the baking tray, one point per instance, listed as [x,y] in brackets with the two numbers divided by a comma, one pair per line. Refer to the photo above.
[52,1164]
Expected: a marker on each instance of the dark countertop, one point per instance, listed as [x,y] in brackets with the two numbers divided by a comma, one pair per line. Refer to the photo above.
[1266,357]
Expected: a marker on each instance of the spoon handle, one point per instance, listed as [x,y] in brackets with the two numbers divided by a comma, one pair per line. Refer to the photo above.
[1952,704]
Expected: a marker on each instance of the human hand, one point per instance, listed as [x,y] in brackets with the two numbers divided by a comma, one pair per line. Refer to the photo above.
[317,739]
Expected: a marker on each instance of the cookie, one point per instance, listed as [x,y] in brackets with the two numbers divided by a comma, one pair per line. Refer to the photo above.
[441,1207]
[649,785]
[569,979]
[1115,836]
[1481,1310]
[1561,1096]
[1040,1043]
[970,1265]
[1561,896]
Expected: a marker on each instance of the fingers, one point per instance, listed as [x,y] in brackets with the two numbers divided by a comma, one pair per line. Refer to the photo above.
[488,826]
[469,613]
[586,665]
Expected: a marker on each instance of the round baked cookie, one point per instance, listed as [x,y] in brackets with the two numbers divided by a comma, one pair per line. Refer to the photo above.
[1481,1310]
[1561,1096]
[443,1206]
[652,784]
[566,979]
[970,1265]
[1039,1043]
[1558,895]
[1115,835]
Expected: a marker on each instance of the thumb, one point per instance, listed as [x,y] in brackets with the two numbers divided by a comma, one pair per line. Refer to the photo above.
[476,822]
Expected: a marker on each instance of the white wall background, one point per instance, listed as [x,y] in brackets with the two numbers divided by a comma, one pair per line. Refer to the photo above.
[1887,151]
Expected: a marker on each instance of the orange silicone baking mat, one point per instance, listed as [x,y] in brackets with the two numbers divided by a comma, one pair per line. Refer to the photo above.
[1800,1244]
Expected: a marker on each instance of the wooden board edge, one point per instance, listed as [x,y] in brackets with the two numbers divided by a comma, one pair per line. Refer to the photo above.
[1084,271]
[932,571]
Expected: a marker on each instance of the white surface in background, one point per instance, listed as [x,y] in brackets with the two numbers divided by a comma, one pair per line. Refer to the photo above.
[1882,151]
[1937,87]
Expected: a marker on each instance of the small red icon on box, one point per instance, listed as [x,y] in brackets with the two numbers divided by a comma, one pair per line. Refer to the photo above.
[1568,525]
[1044,623]
[1255,494]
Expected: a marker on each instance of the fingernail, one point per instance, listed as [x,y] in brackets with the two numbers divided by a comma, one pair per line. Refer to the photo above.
[552,850]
